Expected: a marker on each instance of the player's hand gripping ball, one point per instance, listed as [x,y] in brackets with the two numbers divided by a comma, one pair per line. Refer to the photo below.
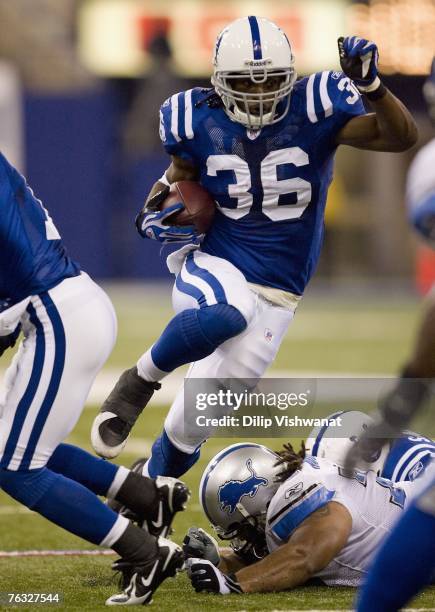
[177,214]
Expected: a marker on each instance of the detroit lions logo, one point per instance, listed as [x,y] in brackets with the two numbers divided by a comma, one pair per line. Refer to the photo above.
[232,491]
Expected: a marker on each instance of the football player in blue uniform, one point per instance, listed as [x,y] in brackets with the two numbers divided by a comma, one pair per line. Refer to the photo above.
[404,458]
[263,144]
[69,329]
[392,583]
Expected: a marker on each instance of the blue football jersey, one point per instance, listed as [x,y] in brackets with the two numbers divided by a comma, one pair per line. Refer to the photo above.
[270,186]
[409,457]
[32,256]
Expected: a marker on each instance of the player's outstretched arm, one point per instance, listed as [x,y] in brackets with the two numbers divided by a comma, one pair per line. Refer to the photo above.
[391,127]
[310,548]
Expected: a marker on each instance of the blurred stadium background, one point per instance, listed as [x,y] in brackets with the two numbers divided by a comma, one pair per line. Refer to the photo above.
[81,82]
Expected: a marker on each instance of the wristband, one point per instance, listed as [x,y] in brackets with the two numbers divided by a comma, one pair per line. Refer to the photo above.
[374,94]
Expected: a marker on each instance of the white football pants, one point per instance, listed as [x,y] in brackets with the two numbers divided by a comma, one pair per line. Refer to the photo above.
[246,356]
[69,332]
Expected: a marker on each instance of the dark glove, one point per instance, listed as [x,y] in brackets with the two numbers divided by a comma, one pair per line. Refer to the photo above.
[204,576]
[199,544]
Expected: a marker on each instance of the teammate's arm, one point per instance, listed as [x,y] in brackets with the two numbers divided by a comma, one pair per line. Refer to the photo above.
[391,127]
[310,548]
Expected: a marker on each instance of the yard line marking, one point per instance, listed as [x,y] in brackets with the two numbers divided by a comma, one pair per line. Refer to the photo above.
[56,553]
[107,378]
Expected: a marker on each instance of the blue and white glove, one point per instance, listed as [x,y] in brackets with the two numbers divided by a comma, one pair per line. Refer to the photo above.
[359,61]
[150,224]
[200,545]
[204,576]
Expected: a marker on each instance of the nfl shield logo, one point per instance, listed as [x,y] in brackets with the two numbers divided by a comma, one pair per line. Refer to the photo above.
[268,334]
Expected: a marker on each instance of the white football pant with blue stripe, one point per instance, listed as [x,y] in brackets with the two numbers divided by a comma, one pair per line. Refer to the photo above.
[205,280]
[69,332]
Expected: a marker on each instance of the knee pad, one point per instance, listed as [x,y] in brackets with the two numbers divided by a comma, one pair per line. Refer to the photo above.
[221,322]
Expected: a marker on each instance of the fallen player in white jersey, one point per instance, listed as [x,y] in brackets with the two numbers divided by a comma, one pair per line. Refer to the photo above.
[290,520]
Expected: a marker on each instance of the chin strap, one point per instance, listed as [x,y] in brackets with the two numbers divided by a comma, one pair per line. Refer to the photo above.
[245,514]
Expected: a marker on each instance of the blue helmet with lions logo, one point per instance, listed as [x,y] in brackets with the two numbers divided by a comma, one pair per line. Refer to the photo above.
[237,486]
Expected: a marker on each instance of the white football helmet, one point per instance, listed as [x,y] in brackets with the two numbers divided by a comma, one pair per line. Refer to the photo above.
[254,48]
[237,486]
[333,443]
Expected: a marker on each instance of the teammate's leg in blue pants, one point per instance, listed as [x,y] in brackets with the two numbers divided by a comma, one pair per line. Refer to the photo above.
[406,562]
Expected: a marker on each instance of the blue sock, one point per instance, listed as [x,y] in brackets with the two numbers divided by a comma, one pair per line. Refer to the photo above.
[404,565]
[73,462]
[193,334]
[62,501]
[167,460]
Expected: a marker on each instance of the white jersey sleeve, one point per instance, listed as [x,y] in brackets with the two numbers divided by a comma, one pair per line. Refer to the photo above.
[298,497]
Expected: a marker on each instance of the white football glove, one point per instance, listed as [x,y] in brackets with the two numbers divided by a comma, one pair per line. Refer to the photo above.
[204,576]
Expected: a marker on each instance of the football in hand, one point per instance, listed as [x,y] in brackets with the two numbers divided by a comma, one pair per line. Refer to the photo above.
[199,206]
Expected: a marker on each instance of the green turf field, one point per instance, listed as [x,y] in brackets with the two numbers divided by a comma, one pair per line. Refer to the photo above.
[349,335]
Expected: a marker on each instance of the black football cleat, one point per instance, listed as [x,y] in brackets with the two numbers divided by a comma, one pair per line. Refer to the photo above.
[139,582]
[173,497]
[119,413]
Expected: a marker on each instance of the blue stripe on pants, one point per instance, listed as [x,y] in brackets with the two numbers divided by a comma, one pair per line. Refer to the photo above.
[53,386]
[29,393]
[191,290]
[207,277]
